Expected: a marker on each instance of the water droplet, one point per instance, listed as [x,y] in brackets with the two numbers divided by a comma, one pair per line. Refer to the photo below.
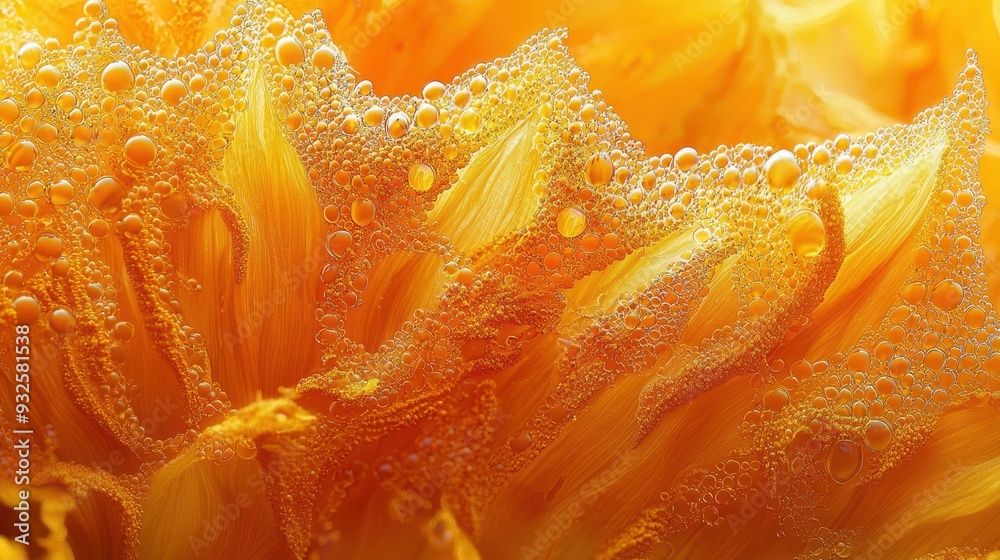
[174,206]
[338,243]
[21,155]
[46,133]
[374,115]
[289,51]
[571,221]
[843,460]
[140,150]
[117,77]
[398,125]
[362,212]
[776,399]
[29,55]
[61,192]
[48,246]
[782,170]
[598,170]
[421,177]
[351,124]
[947,295]
[62,320]
[48,76]
[172,92]
[425,116]
[806,233]
[470,121]
[686,158]
[132,226]
[844,164]
[246,449]
[26,308]
[93,8]
[877,435]
[106,195]
[324,57]
[433,91]
[9,111]
[520,442]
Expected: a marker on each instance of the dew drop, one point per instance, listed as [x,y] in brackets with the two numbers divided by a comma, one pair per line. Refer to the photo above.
[339,242]
[106,195]
[425,116]
[782,170]
[421,177]
[947,295]
[362,212]
[433,91]
[324,57]
[26,308]
[21,155]
[397,125]
[844,164]
[288,51]
[374,115]
[8,111]
[61,193]
[877,435]
[843,461]
[806,233]
[62,320]
[140,150]
[172,92]
[686,158]
[174,206]
[470,121]
[520,442]
[48,246]
[48,76]
[29,55]
[117,77]
[246,449]
[571,221]
[598,170]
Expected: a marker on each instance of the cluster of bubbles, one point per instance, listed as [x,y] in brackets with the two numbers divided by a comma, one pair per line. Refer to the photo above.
[820,426]
[106,148]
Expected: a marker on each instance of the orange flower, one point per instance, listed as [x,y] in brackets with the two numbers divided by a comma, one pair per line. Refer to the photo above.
[288,290]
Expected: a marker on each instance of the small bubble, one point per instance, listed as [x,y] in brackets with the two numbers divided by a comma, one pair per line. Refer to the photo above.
[598,170]
[686,158]
[288,51]
[106,195]
[421,177]
[806,233]
[571,222]
[117,77]
[782,170]
[140,150]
